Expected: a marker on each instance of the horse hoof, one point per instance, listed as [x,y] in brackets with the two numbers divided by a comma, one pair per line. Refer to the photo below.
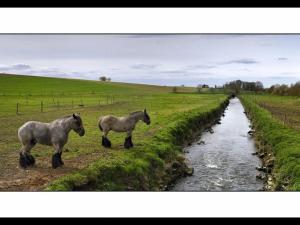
[128,144]
[105,142]
[56,160]
[60,160]
[23,161]
[31,159]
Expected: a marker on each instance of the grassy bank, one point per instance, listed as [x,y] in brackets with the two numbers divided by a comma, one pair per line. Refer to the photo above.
[145,166]
[274,135]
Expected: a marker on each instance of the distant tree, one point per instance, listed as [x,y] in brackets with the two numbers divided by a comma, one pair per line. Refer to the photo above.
[294,89]
[174,89]
[182,85]
[102,78]
[259,86]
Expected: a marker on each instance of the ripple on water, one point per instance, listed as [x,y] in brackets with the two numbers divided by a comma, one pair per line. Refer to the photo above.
[211,166]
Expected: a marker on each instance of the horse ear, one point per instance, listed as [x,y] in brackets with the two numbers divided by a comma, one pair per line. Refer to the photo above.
[74,116]
[145,110]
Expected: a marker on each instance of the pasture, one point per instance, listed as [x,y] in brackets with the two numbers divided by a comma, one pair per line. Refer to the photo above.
[284,108]
[24,98]
[276,121]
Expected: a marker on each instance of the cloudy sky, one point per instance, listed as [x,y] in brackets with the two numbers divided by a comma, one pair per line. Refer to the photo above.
[155,59]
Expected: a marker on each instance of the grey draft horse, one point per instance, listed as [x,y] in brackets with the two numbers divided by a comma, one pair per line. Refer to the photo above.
[121,124]
[52,134]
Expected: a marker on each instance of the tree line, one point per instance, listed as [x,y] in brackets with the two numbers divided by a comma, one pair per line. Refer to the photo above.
[278,89]
[238,85]
[283,89]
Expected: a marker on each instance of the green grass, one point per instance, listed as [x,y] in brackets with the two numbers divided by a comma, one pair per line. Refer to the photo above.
[276,133]
[174,116]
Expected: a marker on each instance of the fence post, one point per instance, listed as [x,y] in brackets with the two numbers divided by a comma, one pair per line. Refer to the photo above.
[42,106]
[285,119]
[17,108]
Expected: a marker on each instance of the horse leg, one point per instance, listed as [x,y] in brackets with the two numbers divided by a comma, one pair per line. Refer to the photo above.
[128,142]
[26,159]
[60,160]
[105,141]
[56,158]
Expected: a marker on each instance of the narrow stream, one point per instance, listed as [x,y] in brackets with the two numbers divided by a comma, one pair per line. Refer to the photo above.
[222,158]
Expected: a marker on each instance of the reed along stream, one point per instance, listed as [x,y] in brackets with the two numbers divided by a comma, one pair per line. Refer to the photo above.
[222,158]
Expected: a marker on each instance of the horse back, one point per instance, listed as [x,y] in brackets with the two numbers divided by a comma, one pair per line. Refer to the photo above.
[34,131]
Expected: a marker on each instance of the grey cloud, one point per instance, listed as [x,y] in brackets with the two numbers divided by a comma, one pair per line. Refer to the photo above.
[21,67]
[144,66]
[194,67]
[15,67]
[282,58]
[240,61]
[173,71]
[48,71]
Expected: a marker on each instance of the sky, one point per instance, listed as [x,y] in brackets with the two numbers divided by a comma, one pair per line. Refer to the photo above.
[155,58]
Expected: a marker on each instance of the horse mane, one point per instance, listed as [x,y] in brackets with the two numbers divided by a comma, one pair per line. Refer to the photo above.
[136,112]
[64,117]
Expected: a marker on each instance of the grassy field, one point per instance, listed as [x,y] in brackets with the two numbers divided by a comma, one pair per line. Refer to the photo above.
[85,159]
[284,108]
[276,120]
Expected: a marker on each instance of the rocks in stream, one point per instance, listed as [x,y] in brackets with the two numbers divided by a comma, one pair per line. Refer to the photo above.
[260,176]
[189,171]
[261,155]
[211,131]
[218,122]
[200,143]
[270,163]
[251,132]
[265,169]
[258,168]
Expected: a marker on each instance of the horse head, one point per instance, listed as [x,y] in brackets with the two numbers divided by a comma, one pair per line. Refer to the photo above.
[146,118]
[77,125]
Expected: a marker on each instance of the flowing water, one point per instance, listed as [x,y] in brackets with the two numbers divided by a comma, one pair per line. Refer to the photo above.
[224,161]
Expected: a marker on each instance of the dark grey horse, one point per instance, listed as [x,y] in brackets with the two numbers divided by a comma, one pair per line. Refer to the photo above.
[52,134]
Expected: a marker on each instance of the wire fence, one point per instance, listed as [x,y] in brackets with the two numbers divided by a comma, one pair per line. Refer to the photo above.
[29,105]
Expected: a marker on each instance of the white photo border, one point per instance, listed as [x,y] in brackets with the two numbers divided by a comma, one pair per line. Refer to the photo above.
[149,20]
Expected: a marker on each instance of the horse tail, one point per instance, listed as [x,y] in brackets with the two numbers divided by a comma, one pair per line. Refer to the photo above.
[99,124]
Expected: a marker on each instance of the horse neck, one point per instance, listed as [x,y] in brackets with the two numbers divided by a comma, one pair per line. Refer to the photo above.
[137,116]
[66,124]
